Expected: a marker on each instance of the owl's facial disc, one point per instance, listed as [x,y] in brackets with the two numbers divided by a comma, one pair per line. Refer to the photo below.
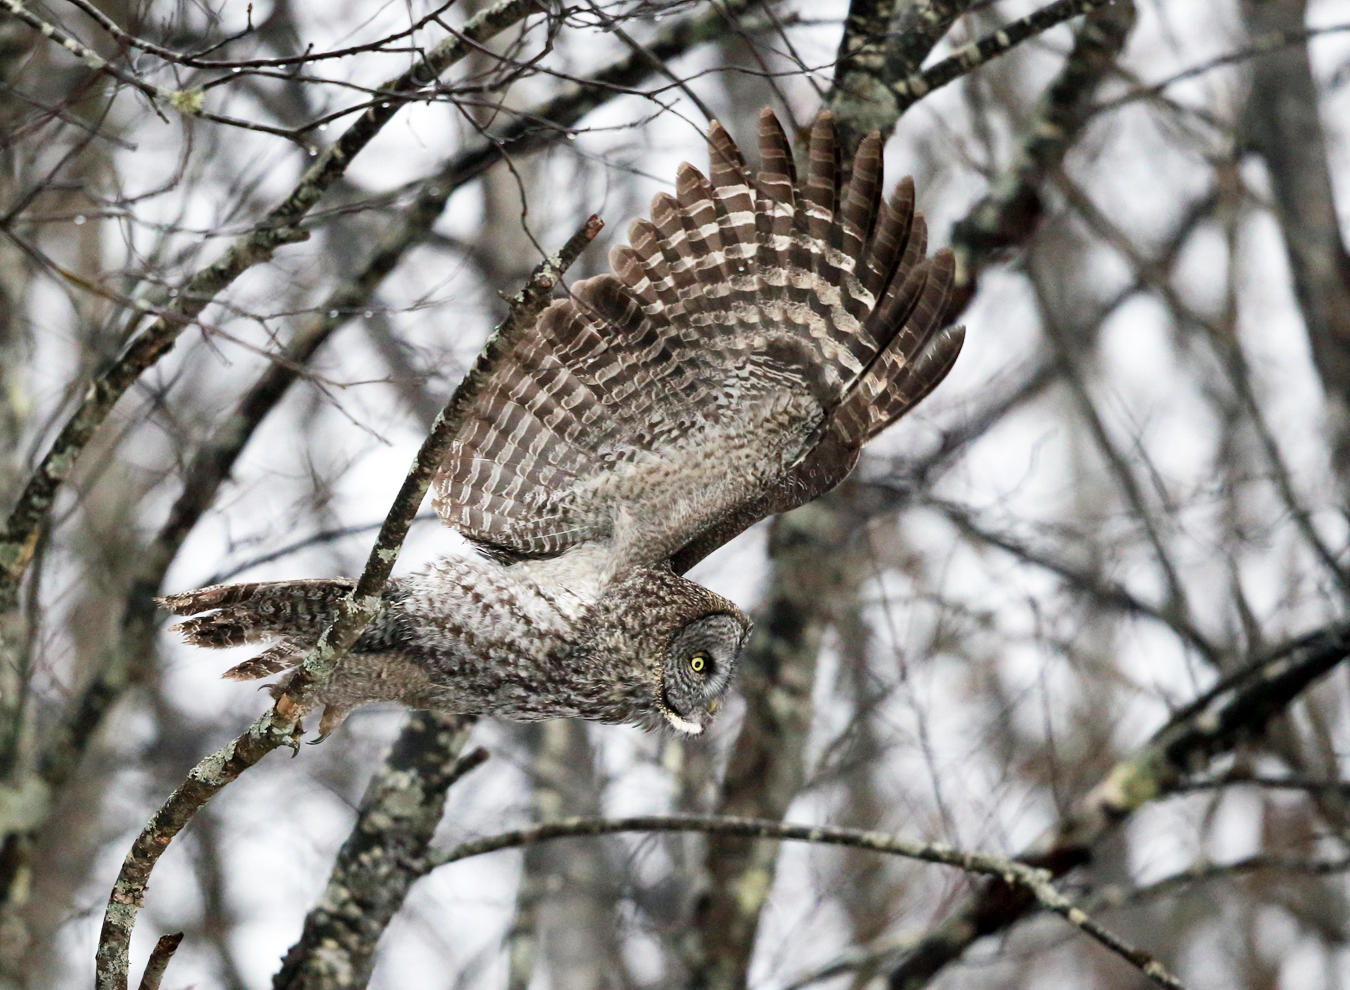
[697,670]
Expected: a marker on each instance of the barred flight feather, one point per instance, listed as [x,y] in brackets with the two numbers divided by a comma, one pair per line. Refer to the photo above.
[741,290]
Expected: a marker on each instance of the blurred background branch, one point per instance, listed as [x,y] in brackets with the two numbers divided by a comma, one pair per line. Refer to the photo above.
[1058,615]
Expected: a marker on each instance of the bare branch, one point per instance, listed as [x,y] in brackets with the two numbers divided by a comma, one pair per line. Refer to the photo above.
[1033,881]
[1235,708]
[970,57]
[376,866]
[1010,210]
[279,725]
[159,960]
[277,228]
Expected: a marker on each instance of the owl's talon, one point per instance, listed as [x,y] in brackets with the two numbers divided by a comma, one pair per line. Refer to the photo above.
[333,716]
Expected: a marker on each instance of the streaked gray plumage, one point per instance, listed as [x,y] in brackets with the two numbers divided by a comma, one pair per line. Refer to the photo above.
[754,334]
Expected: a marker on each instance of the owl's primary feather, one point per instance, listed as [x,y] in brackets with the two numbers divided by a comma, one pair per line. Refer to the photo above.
[756,332]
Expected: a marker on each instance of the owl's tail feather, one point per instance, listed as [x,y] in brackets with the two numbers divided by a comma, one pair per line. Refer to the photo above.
[273,660]
[293,612]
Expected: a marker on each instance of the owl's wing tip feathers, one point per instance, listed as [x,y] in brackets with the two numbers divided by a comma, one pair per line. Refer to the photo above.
[717,277]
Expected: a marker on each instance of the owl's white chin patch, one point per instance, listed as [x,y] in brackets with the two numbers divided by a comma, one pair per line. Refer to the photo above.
[682,724]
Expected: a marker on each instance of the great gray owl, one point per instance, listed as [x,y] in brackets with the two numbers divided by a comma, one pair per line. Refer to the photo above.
[754,334]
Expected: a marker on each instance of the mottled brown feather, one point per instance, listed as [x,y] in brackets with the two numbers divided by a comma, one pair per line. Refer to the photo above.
[739,291]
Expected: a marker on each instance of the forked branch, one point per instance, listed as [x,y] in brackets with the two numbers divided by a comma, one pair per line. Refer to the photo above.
[279,725]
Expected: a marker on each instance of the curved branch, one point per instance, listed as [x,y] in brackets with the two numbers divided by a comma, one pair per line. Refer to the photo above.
[279,725]
[1233,709]
[1033,881]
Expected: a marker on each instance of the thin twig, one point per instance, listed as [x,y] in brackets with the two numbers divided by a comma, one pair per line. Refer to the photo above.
[214,461]
[1265,44]
[1101,589]
[1185,881]
[180,100]
[277,228]
[196,62]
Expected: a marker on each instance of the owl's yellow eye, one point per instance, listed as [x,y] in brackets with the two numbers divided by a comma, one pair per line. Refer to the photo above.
[697,662]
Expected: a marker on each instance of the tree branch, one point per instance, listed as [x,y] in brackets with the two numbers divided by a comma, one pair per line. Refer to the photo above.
[1008,213]
[213,462]
[399,813]
[968,58]
[1233,709]
[279,725]
[277,228]
[1034,882]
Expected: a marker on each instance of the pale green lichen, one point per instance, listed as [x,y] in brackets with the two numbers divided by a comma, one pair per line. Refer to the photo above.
[188,102]
[1131,785]
[752,889]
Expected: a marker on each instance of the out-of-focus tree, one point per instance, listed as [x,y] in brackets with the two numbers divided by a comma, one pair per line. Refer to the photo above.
[1066,630]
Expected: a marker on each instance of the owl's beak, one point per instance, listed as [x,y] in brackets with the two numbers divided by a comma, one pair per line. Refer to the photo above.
[690,728]
[682,724]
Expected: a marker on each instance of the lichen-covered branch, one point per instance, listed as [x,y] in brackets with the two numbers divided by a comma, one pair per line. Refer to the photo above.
[860,97]
[62,748]
[375,867]
[203,782]
[765,769]
[277,228]
[357,610]
[1236,708]
[1011,209]
[212,463]
[179,100]
[965,60]
[211,466]
[279,725]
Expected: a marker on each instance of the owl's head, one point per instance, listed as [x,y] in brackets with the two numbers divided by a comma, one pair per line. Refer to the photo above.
[670,647]
[697,667]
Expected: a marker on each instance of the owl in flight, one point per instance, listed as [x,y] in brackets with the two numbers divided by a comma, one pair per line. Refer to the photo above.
[754,334]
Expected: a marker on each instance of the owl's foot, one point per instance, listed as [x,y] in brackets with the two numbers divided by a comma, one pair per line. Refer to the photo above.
[333,716]
[286,707]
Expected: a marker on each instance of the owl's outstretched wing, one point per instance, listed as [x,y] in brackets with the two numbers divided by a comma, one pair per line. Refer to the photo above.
[756,332]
